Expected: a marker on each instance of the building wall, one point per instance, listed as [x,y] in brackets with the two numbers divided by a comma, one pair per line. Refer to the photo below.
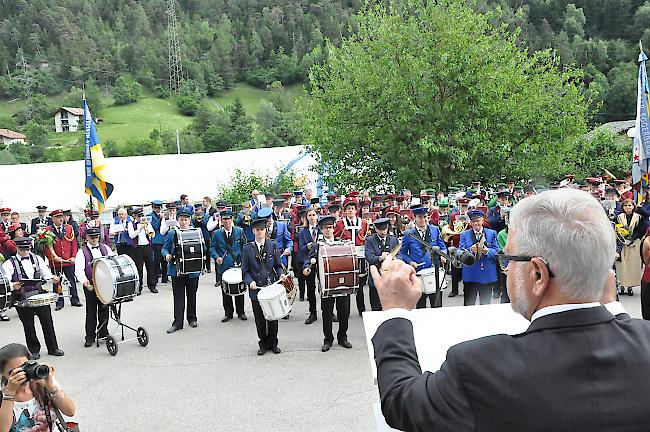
[6,141]
[72,122]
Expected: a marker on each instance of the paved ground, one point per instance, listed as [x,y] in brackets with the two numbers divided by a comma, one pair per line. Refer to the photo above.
[210,378]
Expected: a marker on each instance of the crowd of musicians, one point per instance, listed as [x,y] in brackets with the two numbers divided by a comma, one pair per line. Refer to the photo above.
[275,238]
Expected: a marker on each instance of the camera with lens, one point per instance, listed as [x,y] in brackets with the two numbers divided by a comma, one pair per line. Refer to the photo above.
[35,370]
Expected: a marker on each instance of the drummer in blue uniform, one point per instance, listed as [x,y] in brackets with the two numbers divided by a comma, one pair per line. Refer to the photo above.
[225,249]
[480,278]
[183,285]
[416,254]
[261,266]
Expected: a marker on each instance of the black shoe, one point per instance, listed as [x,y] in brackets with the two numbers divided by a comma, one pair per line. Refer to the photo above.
[496,295]
[139,293]
[216,284]
[276,350]
[345,344]
[335,319]
[226,318]
[629,291]
[193,324]
[35,356]
[302,298]
[56,353]
[78,304]
[58,308]
[242,317]
[286,317]
[208,271]
[172,329]
[621,291]
[261,351]
[311,319]
[4,317]
[326,347]
[88,344]
[153,290]
[452,294]
[164,281]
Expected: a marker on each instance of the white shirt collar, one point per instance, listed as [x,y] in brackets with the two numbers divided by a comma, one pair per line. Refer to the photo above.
[259,245]
[548,310]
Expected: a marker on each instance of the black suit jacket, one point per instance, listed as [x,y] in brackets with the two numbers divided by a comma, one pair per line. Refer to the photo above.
[374,249]
[263,272]
[580,370]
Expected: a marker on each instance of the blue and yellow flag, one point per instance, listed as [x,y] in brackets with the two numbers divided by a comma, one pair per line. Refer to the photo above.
[641,146]
[96,183]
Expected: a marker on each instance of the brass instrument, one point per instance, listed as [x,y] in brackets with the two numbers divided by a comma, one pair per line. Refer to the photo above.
[460,225]
[247,219]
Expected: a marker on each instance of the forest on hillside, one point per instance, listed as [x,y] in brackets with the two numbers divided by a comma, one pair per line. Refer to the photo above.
[66,42]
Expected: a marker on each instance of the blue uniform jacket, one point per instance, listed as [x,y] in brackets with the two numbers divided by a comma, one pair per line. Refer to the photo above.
[263,272]
[484,270]
[204,229]
[282,236]
[414,251]
[494,218]
[374,250]
[170,248]
[305,240]
[218,248]
[155,224]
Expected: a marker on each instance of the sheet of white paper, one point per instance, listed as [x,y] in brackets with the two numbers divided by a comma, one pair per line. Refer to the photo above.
[436,330]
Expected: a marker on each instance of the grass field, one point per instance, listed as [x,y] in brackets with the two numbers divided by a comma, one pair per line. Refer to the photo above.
[136,121]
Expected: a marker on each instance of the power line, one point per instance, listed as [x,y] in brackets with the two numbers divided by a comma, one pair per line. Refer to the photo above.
[175,65]
[27,81]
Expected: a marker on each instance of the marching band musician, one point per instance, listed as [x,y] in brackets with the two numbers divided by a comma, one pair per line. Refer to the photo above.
[5,215]
[94,222]
[185,202]
[42,220]
[95,310]
[226,249]
[141,231]
[353,228]
[69,220]
[454,240]
[334,209]
[480,278]
[184,286]
[279,212]
[378,246]
[167,222]
[415,254]
[326,225]
[244,220]
[279,232]
[62,256]
[497,223]
[308,239]
[119,232]
[261,266]
[27,265]
[213,224]
[394,222]
[158,240]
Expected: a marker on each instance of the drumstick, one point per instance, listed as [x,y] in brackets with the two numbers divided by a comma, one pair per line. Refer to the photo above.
[419,264]
[394,252]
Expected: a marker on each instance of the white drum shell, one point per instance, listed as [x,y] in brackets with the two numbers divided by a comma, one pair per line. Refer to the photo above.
[428,279]
[105,275]
[274,302]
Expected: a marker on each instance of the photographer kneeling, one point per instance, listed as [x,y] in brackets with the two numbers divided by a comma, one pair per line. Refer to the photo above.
[28,387]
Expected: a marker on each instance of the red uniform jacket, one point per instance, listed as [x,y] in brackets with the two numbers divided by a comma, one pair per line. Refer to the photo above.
[64,247]
[342,233]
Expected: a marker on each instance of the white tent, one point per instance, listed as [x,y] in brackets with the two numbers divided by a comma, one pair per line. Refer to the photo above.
[140,179]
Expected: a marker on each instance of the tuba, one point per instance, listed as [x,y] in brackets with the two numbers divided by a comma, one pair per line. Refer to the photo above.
[459,225]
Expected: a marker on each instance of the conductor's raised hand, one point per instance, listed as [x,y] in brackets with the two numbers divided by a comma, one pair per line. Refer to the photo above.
[397,284]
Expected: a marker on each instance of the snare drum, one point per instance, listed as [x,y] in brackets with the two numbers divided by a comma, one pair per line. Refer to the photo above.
[45,299]
[428,279]
[115,278]
[274,302]
[338,269]
[5,291]
[232,282]
[189,251]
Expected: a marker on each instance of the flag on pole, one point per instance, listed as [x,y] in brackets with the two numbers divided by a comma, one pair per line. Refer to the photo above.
[96,183]
[641,147]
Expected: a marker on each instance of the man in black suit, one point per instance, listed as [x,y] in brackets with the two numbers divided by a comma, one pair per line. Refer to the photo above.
[576,368]
[261,266]
[43,219]
[378,246]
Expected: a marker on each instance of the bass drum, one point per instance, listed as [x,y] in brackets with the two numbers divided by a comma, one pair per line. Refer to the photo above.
[116,278]
[338,269]
[5,291]
[189,251]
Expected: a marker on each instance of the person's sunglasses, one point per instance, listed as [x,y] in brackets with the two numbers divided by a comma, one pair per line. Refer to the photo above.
[504,260]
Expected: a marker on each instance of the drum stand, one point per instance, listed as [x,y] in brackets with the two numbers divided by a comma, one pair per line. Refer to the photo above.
[115,314]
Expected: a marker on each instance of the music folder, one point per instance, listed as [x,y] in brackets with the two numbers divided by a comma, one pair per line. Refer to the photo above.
[436,330]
